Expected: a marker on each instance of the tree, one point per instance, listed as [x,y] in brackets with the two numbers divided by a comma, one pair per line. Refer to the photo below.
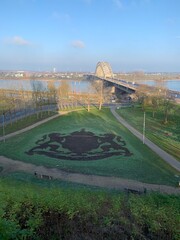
[155,104]
[155,99]
[12,100]
[167,105]
[63,94]
[143,97]
[52,90]
[98,88]
[38,95]
[166,101]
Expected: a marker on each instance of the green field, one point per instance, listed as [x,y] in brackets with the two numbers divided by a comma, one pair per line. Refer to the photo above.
[167,136]
[143,165]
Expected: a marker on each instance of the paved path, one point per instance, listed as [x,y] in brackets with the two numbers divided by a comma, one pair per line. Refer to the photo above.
[93,180]
[35,125]
[30,127]
[164,155]
[10,165]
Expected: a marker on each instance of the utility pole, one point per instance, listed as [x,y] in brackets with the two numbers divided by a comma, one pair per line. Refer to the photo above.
[144,126]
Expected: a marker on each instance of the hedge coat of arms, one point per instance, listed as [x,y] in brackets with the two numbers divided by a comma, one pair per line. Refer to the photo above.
[81,146]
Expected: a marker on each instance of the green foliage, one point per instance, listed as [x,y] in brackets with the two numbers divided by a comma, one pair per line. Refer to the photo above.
[158,215]
[31,212]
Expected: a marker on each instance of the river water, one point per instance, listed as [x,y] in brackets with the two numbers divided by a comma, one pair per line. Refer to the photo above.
[170,84]
[76,86]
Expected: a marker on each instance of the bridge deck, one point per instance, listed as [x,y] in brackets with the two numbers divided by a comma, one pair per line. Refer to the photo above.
[131,86]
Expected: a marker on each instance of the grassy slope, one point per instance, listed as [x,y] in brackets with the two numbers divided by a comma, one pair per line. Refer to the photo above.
[32,212]
[167,136]
[143,165]
[25,122]
[27,178]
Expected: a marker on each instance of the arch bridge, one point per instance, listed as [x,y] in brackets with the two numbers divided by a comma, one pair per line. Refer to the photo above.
[104,72]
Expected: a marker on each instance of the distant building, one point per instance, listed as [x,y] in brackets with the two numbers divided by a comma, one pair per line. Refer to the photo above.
[19,74]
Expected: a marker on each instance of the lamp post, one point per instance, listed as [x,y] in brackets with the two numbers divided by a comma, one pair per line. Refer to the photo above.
[144,126]
[3,128]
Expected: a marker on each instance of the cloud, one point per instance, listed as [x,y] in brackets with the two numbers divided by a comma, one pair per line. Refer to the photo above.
[118,3]
[17,40]
[78,44]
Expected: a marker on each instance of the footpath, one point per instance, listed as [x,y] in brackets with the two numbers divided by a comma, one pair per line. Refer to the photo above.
[164,155]
[30,127]
[10,165]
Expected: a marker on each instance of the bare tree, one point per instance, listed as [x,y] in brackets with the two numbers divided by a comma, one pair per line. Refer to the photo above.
[38,96]
[166,101]
[52,90]
[155,101]
[5,105]
[98,89]
[63,95]
[167,106]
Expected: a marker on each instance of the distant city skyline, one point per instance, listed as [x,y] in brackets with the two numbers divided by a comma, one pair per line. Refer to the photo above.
[73,35]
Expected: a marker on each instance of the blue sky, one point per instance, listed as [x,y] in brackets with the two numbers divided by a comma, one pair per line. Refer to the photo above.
[73,35]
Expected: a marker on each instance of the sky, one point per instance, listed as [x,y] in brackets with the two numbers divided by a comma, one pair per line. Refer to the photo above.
[74,35]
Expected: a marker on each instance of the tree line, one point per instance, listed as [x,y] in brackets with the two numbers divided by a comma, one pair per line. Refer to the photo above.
[17,102]
[157,99]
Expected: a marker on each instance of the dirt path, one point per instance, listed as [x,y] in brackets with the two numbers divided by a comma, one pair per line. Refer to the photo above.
[164,155]
[93,180]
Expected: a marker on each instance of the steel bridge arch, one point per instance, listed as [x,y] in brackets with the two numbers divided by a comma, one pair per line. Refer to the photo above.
[103,70]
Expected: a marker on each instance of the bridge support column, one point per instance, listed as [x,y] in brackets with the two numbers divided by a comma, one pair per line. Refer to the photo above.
[113,89]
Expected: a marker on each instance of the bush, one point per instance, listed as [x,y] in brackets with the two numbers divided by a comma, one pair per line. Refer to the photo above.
[30,212]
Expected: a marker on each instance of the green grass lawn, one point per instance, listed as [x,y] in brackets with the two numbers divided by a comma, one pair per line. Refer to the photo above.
[166,136]
[25,122]
[27,178]
[143,165]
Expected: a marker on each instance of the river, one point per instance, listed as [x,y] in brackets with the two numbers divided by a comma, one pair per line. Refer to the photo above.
[78,86]
[170,84]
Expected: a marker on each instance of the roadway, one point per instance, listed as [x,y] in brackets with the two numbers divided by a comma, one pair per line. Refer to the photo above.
[130,86]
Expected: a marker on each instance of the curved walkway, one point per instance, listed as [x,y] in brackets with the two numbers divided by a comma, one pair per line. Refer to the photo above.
[10,165]
[93,180]
[30,127]
[164,155]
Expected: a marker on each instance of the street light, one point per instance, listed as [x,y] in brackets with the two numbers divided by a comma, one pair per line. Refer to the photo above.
[144,126]
[3,128]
